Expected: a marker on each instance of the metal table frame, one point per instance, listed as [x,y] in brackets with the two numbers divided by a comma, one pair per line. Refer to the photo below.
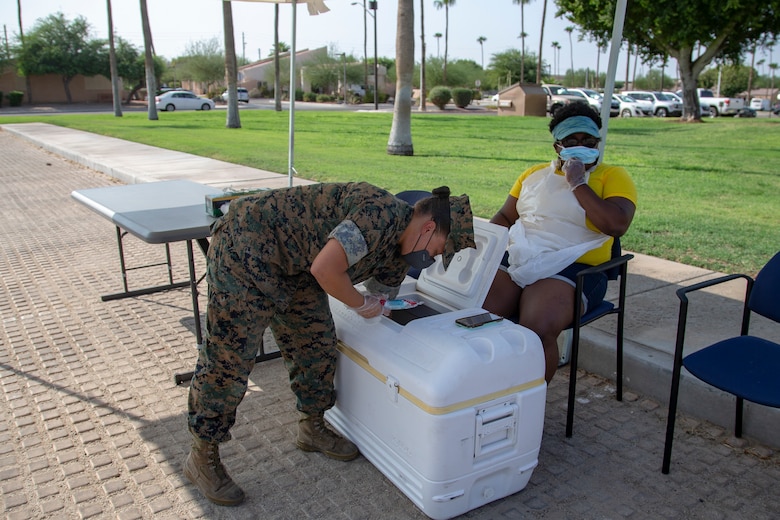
[159,213]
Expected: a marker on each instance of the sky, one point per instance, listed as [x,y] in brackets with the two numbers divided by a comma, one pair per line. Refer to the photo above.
[177,24]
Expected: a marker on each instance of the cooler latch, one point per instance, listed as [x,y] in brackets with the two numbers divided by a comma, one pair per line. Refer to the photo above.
[496,429]
[392,388]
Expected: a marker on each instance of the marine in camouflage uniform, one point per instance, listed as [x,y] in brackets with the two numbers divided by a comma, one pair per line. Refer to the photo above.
[259,275]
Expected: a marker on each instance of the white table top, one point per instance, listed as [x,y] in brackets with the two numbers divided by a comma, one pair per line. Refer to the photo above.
[155,212]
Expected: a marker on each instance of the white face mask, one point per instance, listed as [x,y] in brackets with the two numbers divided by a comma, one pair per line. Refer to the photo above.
[583,153]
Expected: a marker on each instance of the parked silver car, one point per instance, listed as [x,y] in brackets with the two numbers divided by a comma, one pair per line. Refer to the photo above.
[629,107]
[663,104]
[181,100]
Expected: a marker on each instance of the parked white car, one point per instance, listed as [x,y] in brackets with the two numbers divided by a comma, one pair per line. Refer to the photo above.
[591,96]
[243,95]
[181,100]
[663,104]
[629,107]
[760,104]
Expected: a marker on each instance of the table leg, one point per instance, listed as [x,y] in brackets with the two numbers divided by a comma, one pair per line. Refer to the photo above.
[126,293]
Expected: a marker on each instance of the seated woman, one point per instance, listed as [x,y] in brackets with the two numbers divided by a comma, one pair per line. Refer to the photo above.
[563,217]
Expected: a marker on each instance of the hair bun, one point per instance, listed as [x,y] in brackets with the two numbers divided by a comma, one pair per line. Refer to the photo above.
[442,192]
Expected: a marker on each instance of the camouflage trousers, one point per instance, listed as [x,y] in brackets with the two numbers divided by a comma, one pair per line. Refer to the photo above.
[235,323]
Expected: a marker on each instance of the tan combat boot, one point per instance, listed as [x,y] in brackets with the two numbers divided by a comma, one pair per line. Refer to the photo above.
[204,469]
[314,435]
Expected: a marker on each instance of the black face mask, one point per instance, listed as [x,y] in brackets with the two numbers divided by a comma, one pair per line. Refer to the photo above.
[419,259]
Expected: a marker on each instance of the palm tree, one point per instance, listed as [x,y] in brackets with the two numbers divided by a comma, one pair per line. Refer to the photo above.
[27,82]
[231,69]
[570,29]
[400,141]
[117,100]
[480,41]
[446,5]
[438,37]
[522,36]
[151,81]
[541,42]
[555,46]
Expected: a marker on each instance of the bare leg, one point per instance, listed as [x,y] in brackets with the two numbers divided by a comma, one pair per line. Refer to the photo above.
[547,307]
[503,296]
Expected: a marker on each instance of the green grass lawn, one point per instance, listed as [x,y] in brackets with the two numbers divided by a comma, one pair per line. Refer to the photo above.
[709,193]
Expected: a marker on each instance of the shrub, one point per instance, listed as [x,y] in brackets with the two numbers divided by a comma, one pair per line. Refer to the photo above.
[298,94]
[461,97]
[309,96]
[324,98]
[1,98]
[440,96]
[15,98]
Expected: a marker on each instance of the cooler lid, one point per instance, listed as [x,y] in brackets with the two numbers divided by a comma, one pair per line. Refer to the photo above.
[467,281]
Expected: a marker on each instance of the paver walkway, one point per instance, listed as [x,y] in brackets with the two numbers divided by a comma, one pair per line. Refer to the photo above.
[92,426]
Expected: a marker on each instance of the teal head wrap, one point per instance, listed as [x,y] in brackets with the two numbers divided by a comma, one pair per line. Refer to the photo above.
[575,125]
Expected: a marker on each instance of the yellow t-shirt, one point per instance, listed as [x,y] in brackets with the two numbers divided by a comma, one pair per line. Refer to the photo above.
[606,181]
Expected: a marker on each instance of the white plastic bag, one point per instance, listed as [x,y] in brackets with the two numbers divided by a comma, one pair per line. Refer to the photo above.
[550,232]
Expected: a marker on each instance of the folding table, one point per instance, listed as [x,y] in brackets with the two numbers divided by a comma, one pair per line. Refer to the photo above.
[158,213]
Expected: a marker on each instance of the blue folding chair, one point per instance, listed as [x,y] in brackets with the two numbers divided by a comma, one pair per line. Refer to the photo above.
[615,268]
[745,366]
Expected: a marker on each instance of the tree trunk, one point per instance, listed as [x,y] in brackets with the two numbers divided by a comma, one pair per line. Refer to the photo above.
[233,119]
[115,95]
[422,61]
[151,81]
[446,40]
[27,82]
[400,142]
[66,85]
[522,43]
[541,42]
[691,109]
[277,67]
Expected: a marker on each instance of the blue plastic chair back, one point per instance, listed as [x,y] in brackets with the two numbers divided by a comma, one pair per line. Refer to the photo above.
[764,296]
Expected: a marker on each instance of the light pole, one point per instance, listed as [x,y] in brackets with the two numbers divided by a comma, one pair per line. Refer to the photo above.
[344,58]
[372,6]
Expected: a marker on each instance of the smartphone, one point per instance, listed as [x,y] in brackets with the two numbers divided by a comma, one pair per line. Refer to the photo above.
[477,320]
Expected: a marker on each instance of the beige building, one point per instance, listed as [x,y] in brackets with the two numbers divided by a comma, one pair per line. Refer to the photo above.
[49,88]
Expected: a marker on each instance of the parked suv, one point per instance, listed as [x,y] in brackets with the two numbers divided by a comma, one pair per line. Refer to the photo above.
[243,95]
[558,96]
[663,104]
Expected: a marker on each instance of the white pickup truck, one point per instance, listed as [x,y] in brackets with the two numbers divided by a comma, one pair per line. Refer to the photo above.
[720,106]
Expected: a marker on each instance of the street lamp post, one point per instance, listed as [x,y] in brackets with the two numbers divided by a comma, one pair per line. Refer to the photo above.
[372,6]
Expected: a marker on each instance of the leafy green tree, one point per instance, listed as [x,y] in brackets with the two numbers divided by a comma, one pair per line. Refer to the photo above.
[506,68]
[131,67]
[56,45]
[204,62]
[721,30]
[326,72]
[733,79]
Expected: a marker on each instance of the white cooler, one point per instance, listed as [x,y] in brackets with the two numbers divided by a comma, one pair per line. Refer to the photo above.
[452,416]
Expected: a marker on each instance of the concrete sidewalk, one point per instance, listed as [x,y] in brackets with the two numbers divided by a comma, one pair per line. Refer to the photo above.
[94,427]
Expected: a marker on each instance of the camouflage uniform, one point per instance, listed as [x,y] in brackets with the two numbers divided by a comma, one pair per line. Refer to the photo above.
[258,275]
